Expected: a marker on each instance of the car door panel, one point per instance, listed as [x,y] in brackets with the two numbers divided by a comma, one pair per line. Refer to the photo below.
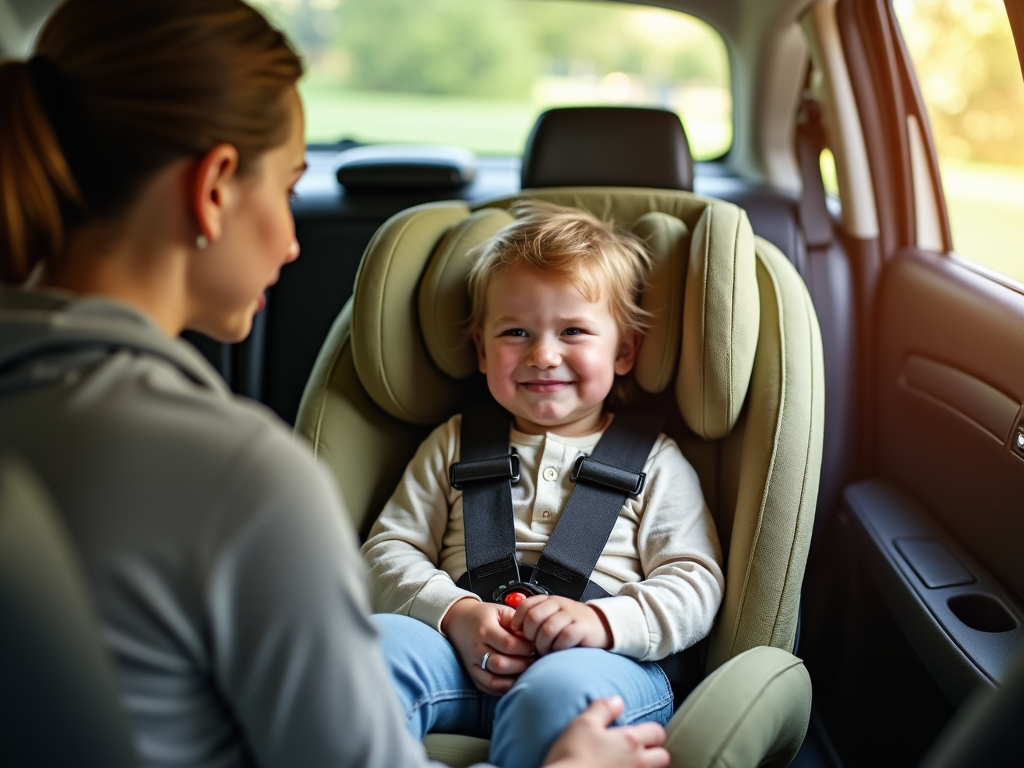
[961,621]
[950,383]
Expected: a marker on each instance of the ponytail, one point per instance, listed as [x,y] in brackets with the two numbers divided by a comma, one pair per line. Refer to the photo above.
[36,184]
[118,90]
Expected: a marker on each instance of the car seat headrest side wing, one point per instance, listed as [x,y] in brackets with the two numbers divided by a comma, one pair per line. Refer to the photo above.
[388,351]
[721,318]
[668,241]
[444,303]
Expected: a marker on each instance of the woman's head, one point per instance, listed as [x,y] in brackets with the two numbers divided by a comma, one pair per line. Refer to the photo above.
[116,93]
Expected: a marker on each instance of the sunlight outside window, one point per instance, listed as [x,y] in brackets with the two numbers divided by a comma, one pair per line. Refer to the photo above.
[476,73]
[971,82]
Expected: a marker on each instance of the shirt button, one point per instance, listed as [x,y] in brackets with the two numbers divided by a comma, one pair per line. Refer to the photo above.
[545,513]
[550,474]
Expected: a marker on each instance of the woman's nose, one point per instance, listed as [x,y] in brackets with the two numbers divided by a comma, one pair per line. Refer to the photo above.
[293,252]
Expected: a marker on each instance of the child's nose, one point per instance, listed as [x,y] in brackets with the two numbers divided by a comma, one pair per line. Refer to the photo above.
[545,355]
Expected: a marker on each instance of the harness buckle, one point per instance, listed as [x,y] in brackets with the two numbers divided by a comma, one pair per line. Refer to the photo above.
[590,470]
[505,593]
[497,468]
[490,577]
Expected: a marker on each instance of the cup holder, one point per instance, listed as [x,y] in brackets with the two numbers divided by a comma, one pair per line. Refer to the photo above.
[982,612]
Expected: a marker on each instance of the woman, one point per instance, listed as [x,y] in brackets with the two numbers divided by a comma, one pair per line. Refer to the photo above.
[147,154]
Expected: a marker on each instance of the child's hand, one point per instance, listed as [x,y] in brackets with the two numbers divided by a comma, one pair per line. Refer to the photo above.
[556,623]
[476,629]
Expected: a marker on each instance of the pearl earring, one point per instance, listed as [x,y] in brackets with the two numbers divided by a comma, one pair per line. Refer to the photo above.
[202,241]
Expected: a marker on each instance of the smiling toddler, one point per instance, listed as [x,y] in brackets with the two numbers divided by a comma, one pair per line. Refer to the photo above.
[555,321]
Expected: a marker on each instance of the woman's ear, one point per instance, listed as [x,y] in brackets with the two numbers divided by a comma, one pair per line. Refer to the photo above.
[481,351]
[625,359]
[211,194]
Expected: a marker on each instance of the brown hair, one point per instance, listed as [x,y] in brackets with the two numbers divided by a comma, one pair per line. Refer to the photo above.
[118,90]
[572,246]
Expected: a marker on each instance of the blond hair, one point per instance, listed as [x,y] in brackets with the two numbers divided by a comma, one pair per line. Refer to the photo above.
[572,246]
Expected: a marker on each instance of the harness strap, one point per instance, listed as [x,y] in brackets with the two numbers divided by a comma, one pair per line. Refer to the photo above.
[603,482]
[488,518]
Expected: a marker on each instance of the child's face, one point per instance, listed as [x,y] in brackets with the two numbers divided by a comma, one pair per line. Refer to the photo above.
[550,355]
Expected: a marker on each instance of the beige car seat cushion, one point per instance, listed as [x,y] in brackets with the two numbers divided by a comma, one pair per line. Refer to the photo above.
[721,315]
[776,489]
[751,712]
[444,303]
[456,751]
[390,355]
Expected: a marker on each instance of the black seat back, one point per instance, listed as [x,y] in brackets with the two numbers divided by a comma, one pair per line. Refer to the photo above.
[58,701]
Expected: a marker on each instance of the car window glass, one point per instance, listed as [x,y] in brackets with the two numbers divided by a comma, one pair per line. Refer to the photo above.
[829,174]
[967,70]
[476,73]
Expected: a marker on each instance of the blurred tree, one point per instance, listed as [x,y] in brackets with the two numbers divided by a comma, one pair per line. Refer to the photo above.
[967,68]
[496,48]
[438,46]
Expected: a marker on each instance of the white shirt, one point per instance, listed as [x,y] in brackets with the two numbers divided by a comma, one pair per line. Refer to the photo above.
[662,562]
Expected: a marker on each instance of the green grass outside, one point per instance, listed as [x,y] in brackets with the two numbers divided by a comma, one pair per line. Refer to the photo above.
[486,126]
[986,213]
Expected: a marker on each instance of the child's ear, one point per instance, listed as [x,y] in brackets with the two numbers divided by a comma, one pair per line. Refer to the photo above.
[628,348]
[481,353]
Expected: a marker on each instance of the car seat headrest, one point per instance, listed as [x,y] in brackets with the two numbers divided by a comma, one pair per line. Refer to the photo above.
[608,146]
[411,349]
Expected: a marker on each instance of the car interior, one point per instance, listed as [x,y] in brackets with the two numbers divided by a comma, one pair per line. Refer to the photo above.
[863,455]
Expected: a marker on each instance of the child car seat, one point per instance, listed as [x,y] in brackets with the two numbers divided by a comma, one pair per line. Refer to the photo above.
[732,358]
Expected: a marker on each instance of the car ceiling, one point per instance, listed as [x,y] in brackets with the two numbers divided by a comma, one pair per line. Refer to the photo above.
[766,49]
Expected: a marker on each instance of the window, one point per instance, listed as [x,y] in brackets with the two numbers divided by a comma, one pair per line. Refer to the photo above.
[476,73]
[970,79]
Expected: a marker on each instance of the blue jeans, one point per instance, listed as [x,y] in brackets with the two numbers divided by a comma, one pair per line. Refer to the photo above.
[439,696]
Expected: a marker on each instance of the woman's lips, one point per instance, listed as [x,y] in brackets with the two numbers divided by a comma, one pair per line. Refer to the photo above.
[542,387]
[261,302]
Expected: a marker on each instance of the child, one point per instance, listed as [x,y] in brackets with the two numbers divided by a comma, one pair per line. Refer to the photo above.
[554,320]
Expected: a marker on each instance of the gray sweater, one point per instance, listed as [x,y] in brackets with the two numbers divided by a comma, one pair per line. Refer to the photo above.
[231,594]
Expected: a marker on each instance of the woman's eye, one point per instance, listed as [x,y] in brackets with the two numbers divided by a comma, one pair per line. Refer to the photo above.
[293,196]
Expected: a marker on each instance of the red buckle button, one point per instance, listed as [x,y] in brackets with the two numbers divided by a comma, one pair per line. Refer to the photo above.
[514,599]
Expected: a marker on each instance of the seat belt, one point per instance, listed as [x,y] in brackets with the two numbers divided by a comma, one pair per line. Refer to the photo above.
[815,220]
[603,480]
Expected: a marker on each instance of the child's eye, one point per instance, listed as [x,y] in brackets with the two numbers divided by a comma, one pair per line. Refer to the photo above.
[573,331]
[517,332]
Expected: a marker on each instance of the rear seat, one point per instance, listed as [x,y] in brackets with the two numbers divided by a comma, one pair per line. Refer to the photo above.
[568,147]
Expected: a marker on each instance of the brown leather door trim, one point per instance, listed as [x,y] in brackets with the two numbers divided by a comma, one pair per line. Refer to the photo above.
[980,403]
